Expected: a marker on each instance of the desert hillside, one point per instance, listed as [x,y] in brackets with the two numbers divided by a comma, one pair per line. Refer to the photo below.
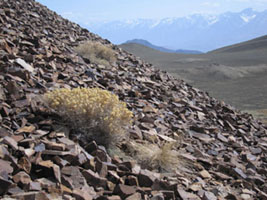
[236,74]
[181,144]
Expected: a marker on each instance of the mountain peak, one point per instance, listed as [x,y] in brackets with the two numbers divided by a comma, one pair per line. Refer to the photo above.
[248,11]
[200,32]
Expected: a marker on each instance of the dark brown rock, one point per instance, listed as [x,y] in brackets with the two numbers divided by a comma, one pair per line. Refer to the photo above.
[124,190]
[25,164]
[5,183]
[146,178]
[132,180]
[94,179]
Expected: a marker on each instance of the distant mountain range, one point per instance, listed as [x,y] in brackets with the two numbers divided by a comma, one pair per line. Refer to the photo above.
[198,32]
[162,49]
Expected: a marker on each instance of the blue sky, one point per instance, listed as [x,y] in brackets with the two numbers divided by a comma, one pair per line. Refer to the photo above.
[82,11]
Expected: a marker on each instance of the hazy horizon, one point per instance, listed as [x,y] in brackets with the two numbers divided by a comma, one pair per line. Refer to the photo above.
[82,11]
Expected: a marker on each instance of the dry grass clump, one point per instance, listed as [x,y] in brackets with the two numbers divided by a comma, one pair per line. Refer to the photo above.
[151,156]
[259,114]
[95,112]
[96,52]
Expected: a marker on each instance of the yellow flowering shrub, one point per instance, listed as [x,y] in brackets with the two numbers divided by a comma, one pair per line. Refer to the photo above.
[90,109]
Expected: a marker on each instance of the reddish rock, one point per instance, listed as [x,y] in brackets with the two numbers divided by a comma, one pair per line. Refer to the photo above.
[124,190]
[22,178]
[94,179]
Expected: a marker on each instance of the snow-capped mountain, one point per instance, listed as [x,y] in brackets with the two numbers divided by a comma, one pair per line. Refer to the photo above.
[200,32]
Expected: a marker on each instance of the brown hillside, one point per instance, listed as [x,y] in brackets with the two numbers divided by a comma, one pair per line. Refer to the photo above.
[221,152]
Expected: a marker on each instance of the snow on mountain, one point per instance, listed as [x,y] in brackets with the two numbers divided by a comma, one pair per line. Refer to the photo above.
[198,31]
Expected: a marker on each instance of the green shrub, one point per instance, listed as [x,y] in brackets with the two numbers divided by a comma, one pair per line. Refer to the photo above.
[96,52]
[95,112]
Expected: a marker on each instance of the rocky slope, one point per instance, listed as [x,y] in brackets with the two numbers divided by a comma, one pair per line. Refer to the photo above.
[222,152]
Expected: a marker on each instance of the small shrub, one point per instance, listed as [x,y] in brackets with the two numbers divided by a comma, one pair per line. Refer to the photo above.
[95,112]
[152,157]
[96,52]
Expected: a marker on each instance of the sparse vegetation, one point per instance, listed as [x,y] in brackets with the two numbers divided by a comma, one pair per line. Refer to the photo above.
[237,77]
[95,112]
[153,157]
[96,52]
[259,114]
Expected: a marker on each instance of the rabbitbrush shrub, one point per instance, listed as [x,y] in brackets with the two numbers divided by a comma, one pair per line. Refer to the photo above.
[96,52]
[94,112]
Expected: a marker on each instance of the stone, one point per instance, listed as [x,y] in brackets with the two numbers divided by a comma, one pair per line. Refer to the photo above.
[5,183]
[113,177]
[209,196]
[195,187]
[25,65]
[11,142]
[35,186]
[134,196]
[245,196]
[5,166]
[124,190]
[205,174]
[26,129]
[186,195]
[93,178]
[22,177]
[101,167]
[81,194]
[146,178]
[13,190]
[132,180]
[25,164]
[222,138]
[238,172]
[158,196]
[256,151]
[31,195]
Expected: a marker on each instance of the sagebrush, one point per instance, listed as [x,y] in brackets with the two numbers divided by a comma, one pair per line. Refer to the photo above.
[96,52]
[95,112]
[151,156]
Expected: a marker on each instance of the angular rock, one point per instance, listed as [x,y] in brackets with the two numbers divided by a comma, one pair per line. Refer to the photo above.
[134,196]
[124,190]
[11,142]
[5,184]
[147,178]
[94,179]
[186,195]
[22,178]
[205,174]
